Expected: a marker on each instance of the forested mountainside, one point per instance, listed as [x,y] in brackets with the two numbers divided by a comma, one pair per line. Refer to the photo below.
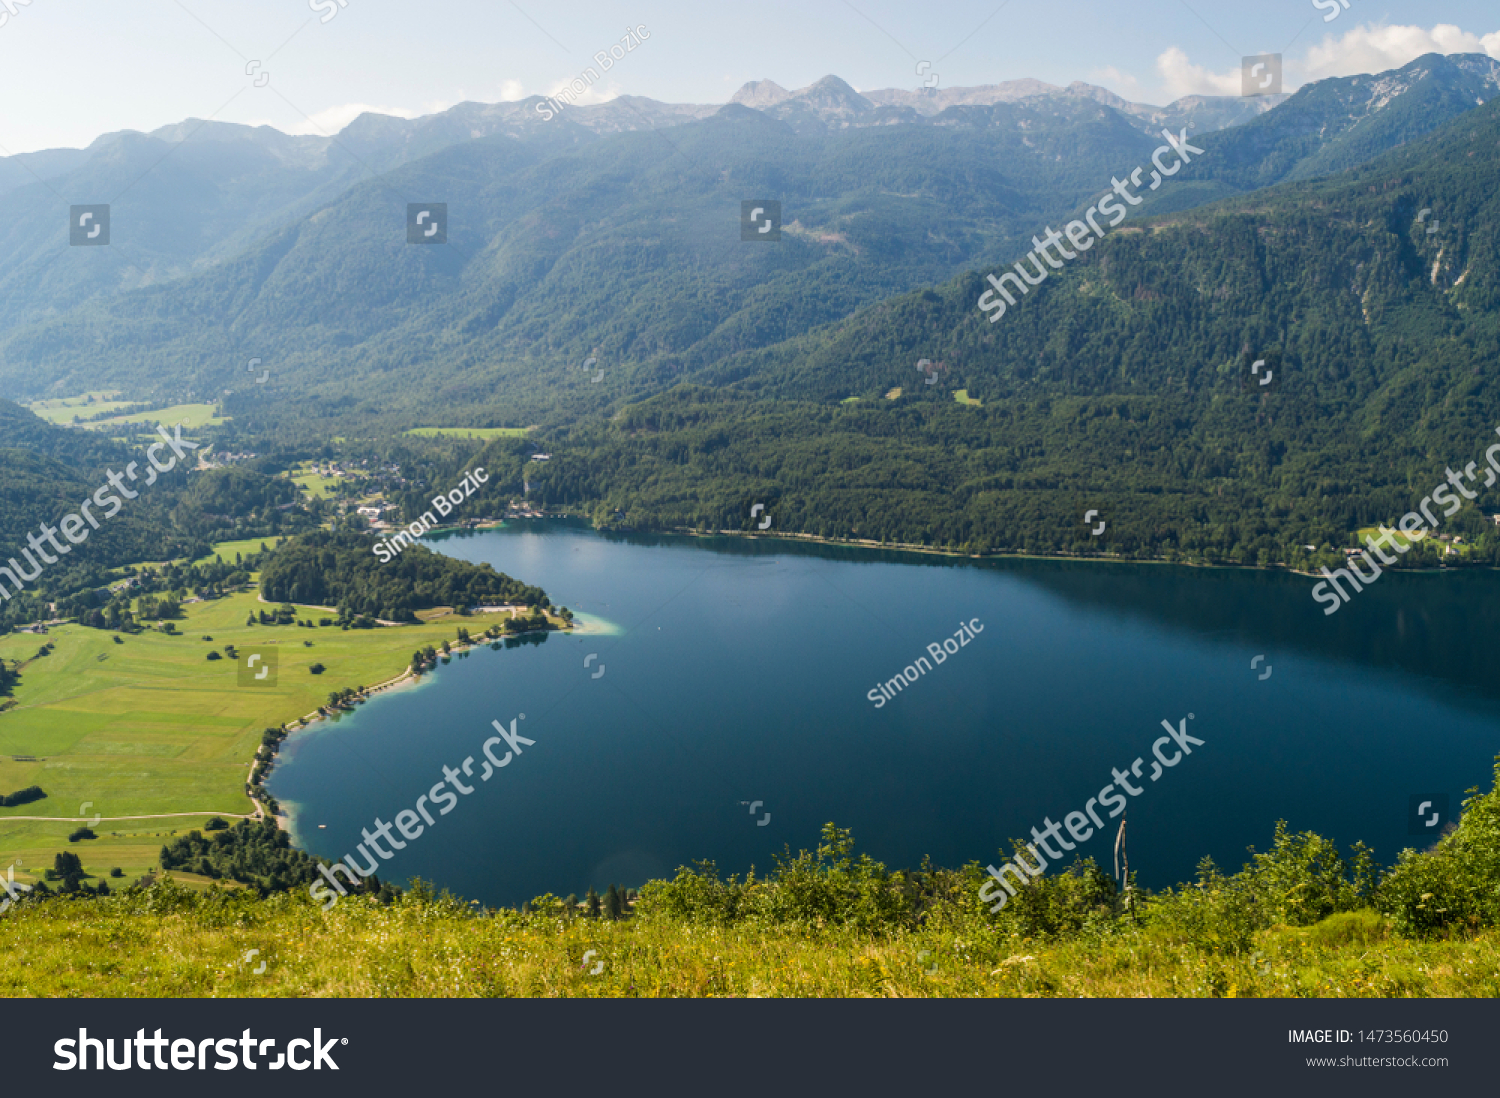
[623,247]
[1119,385]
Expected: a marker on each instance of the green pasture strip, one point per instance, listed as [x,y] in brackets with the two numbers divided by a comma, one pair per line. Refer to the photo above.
[469,432]
[150,725]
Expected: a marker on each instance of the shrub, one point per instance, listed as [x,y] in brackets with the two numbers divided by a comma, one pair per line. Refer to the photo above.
[1303,878]
[1361,928]
[1217,914]
[22,796]
[317,669]
[81,833]
[214,656]
[217,823]
[1454,885]
[1063,904]
[818,888]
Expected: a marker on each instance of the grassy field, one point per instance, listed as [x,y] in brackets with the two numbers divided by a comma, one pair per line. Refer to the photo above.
[226,550]
[189,415]
[151,726]
[61,410]
[315,485]
[1432,545]
[180,945]
[469,432]
[963,397]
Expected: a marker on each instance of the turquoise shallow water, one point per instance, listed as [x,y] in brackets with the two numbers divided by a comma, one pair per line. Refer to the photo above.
[738,671]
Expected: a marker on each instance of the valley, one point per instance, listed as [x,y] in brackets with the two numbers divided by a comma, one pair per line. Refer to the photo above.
[816,487]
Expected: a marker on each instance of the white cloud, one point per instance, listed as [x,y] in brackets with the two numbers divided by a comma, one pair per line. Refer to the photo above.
[1121,83]
[1182,77]
[1377,48]
[1368,48]
[597,92]
[331,120]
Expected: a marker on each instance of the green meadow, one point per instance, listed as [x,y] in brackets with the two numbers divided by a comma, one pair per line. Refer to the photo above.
[61,410]
[189,415]
[469,432]
[1426,542]
[151,726]
[226,550]
[316,485]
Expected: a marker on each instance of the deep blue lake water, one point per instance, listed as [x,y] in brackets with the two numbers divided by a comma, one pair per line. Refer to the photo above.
[738,671]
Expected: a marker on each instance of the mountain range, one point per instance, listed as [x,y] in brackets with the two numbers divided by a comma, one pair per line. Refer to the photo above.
[613,233]
[1121,385]
[195,193]
[616,241]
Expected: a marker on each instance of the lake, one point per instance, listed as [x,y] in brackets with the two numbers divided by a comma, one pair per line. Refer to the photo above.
[729,671]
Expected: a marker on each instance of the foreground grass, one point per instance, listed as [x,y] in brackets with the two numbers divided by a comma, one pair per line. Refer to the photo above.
[1300,920]
[167,941]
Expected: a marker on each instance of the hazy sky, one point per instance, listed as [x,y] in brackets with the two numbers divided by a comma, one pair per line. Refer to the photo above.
[71,70]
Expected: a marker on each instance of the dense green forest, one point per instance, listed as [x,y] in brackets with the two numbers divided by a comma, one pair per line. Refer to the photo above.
[339,568]
[49,471]
[256,853]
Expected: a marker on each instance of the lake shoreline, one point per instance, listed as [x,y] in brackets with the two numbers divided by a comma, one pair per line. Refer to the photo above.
[407,680]
[791,717]
[904,547]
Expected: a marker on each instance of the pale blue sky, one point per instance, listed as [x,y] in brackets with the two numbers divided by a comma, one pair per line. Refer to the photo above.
[73,69]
